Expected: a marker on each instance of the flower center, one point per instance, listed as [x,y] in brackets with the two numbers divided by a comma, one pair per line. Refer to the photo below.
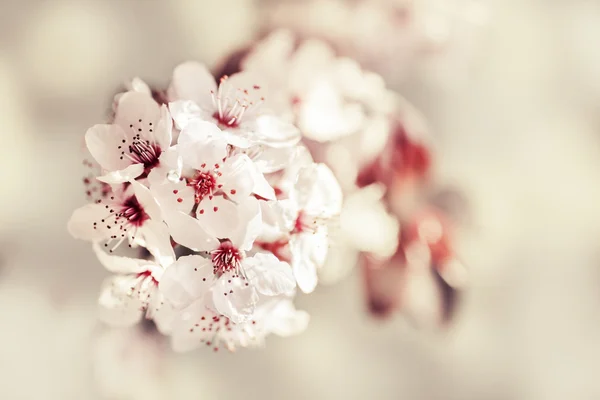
[133,212]
[204,184]
[230,108]
[145,152]
[226,258]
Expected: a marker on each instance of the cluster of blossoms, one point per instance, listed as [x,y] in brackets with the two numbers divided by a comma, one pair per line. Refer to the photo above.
[210,181]
[378,147]
[443,31]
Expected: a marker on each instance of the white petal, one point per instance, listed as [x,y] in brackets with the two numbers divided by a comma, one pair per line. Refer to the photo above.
[81,225]
[103,143]
[269,275]
[193,81]
[188,232]
[118,264]
[122,176]
[202,155]
[285,320]
[158,241]
[116,308]
[136,106]
[245,87]
[163,133]
[261,186]
[272,131]
[219,216]
[174,196]
[234,299]
[318,192]
[250,224]
[162,313]
[198,130]
[169,163]
[192,325]
[271,159]
[186,280]
[238,177]
[309,252]
[237,138]
[185,111]
[144,196]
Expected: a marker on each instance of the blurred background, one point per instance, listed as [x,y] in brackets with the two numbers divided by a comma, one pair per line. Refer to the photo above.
[512,106]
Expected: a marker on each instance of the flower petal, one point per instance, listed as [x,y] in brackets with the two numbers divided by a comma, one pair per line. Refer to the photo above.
[158,241]
[218,216]
[174,196]
[285,320]
[318,192]
[198,131]
[268,275]
[116,307]
[272,131]
[234,299]
[309,251]
[188,232]
[202,155]
[250,224]
[163,133]
[81,225]
[122,176]
[238,177]
[186,280]
[119,264]
[103,143]
[193,81]
[143,195]
[135,112]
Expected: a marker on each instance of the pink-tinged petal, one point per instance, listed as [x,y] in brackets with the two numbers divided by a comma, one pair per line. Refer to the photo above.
[234,299]
[81,225]
[218,216]
[105,143]
[116,307]
[158,241]
[198,130]
[122,176]
[168,168]
[238,177]
[188,232]
[250,224]
[285,320]
[136,106]
[193,81]
[272,131]
[318,192]
[163,133]
[174,196]
[186,280]
[268,275]
[138,85]
[119,264]
[203,155]
[144,196]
